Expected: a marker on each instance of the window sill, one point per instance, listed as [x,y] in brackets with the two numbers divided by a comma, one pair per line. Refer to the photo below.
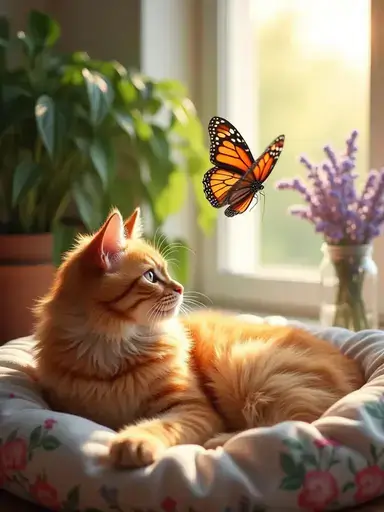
[310,321]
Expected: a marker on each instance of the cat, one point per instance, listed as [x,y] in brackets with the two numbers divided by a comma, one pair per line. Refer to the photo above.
[112,348]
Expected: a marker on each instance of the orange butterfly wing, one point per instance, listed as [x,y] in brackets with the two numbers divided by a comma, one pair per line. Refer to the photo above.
[242,194]
[240,206]
[266,162]
[217,184]
[228,148]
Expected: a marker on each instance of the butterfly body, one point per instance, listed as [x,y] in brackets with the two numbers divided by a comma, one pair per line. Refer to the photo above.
[237,177]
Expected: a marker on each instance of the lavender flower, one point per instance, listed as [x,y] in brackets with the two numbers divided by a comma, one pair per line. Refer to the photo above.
[332,203]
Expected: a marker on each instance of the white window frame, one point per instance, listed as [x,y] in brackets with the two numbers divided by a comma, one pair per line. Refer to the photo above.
[281,291]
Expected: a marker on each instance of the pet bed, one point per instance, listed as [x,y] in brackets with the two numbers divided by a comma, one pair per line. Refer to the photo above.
[336,462]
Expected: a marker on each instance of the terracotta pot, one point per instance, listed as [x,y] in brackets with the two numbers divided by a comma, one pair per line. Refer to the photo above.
[26,272]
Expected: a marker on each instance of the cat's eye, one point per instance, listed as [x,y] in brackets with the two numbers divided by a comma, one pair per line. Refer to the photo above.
[151,276]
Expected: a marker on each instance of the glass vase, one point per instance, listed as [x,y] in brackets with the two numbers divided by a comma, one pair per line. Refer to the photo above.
[349,287]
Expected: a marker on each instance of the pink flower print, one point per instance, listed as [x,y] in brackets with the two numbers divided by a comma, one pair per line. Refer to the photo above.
[323,442]
[45,494]
[370,483]
[49,423]
[14,455]
[168,505]
[319,490]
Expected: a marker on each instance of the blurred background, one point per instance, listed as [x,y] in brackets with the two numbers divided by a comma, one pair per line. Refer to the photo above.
[127,88]
[312,80]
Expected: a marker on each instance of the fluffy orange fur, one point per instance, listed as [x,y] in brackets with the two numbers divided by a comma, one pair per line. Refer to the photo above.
[111,347]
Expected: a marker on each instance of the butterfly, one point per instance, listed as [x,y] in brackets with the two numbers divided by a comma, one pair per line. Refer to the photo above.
[237,177]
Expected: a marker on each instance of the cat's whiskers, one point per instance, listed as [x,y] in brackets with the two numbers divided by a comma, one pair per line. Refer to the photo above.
[173,262]
[152,313]
[192,294]
[155,235]
[185,309]
[194,303]
[173,246]
[168,251]
[162,241]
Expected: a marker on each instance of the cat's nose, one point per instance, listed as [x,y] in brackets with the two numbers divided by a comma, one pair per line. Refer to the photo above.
[178,288]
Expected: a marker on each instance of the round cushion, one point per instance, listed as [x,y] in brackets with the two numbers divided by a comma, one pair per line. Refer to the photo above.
[337,461]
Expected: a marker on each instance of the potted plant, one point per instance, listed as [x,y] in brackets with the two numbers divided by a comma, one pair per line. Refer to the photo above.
[78,135]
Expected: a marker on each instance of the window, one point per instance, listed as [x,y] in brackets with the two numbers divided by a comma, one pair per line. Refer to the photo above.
[300,68]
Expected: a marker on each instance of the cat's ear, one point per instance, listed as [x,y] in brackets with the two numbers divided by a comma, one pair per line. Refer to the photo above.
[107,244]
[133,225]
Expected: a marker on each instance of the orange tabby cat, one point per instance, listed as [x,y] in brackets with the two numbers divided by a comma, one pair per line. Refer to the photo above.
[111,348]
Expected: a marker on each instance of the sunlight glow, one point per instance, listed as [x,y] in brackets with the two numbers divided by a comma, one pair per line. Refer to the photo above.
[324,26]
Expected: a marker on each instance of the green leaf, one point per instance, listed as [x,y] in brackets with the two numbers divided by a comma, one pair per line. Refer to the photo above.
[111,69]
[122,194]
[334,462]
[288,464]
[172,90]
[172,198]
[43,30]
[80,57]
[293,444]
[84,204]
[375,410]
[291,483]
[64,237]
[24,178]
[84,144]
[72,75]
[100,95]
[159,144]
[206,214]
[127,91]
[137,80]
[373,453]
[12,436]
[73,498]
[156,153]
[88,196]
[101,155]
[45,118]
[348,486]
[35,437]
[27,43]
[4,36]
[125,122]
[380,454]
[50,443]
[309,459]
[351,466]
[14,92]
[142,129]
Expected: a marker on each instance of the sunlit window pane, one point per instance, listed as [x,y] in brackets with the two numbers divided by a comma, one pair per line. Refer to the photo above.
[312,75]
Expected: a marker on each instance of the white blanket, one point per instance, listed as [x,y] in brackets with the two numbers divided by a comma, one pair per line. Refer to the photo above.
[336,462]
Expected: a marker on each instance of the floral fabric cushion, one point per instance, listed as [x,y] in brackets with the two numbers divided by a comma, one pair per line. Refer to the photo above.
[336,462]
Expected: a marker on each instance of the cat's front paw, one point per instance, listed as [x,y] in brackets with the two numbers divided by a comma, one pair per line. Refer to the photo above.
[134,447]
[218,440]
